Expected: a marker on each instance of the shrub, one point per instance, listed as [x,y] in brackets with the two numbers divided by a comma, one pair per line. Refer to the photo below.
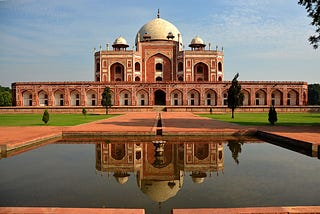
[45,117]
[272,115]
[84,112]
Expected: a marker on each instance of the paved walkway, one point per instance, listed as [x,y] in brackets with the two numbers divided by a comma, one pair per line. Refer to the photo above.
[134,123]
[145,123]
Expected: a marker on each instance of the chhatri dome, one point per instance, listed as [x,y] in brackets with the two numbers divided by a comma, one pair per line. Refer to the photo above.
[158,29]
[197,43]
[120,43]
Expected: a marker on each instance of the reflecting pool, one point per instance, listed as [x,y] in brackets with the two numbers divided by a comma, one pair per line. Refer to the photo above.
[159,174]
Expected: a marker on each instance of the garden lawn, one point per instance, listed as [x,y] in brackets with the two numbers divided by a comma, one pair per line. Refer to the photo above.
[284,119]
[54,119]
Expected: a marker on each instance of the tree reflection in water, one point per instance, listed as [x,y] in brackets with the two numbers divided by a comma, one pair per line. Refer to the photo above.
[235,148]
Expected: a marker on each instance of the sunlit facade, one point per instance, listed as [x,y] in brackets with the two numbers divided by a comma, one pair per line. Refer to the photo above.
[158,70]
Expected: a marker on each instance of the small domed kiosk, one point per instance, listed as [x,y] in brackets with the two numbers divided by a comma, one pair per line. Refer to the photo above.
[197,44]
[120,44]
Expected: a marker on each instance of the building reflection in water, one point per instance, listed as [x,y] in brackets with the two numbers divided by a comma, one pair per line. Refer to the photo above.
[160,166]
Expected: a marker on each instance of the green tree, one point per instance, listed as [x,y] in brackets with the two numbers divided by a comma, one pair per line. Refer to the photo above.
[314,94]
[106,99]
[84,112]
[45,116]
[235,96]
[272,115]
[235,148]
[5,96]
[313,10]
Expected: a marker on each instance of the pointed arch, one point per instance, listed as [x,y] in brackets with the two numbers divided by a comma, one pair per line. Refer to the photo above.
[225,98]
[117,72]
[142,98]
[292,97]
[137,79]
[43,98]
[27,98]
[210,98]
[75,98]
[246,98]
[59,96]
[159,97]
[276,98]
[137,67]
[125,98]
[92,97]
[118,151]
[176,97]
[201,150]
[193,98]
[220,66]
[260,97]
[159,68]
[201,72]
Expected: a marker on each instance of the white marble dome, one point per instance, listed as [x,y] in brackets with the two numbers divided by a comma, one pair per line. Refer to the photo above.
[120,41]
[197,41]
[158,29]
[160,191]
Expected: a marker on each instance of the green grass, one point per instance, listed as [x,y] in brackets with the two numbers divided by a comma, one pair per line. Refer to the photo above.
[284,119]
[54,120]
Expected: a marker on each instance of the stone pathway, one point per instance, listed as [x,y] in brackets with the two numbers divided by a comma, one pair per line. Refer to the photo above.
[144,123]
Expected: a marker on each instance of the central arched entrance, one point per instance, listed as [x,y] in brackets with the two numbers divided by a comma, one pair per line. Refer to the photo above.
[159,97]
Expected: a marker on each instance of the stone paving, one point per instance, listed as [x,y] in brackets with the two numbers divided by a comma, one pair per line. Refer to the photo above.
[137,123]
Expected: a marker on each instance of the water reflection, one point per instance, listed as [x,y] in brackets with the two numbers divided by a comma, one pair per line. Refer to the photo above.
[160,166]
[235,148]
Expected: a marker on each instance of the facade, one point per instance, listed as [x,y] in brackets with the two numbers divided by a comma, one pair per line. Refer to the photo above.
[158,71]
[160,167]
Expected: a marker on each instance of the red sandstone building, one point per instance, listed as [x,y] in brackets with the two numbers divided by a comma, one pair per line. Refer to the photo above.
[158,71]
[160,175]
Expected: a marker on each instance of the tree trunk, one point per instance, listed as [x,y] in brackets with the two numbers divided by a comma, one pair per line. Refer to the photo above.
[232,110]
[107,110]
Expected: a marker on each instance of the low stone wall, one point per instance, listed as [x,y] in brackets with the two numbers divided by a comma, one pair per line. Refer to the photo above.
[115,109]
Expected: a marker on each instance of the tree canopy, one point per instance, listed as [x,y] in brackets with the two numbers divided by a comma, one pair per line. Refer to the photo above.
[313,10]
[235,96]
[106,99]
[5,96]
[314,94]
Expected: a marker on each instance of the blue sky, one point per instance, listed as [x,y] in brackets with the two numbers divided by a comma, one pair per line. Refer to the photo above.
[46,40]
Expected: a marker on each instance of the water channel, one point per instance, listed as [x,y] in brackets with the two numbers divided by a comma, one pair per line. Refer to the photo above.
[159,174]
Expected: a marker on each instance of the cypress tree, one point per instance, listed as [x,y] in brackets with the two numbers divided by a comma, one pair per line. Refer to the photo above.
[45,116]
[272,116]
[235,96]
[106,99]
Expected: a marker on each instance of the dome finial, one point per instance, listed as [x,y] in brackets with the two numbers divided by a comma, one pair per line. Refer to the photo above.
[158,15]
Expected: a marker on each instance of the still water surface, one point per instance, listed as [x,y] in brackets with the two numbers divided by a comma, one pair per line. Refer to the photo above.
[158,177]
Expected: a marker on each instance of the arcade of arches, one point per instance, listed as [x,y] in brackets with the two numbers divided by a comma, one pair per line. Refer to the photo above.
[173,94]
